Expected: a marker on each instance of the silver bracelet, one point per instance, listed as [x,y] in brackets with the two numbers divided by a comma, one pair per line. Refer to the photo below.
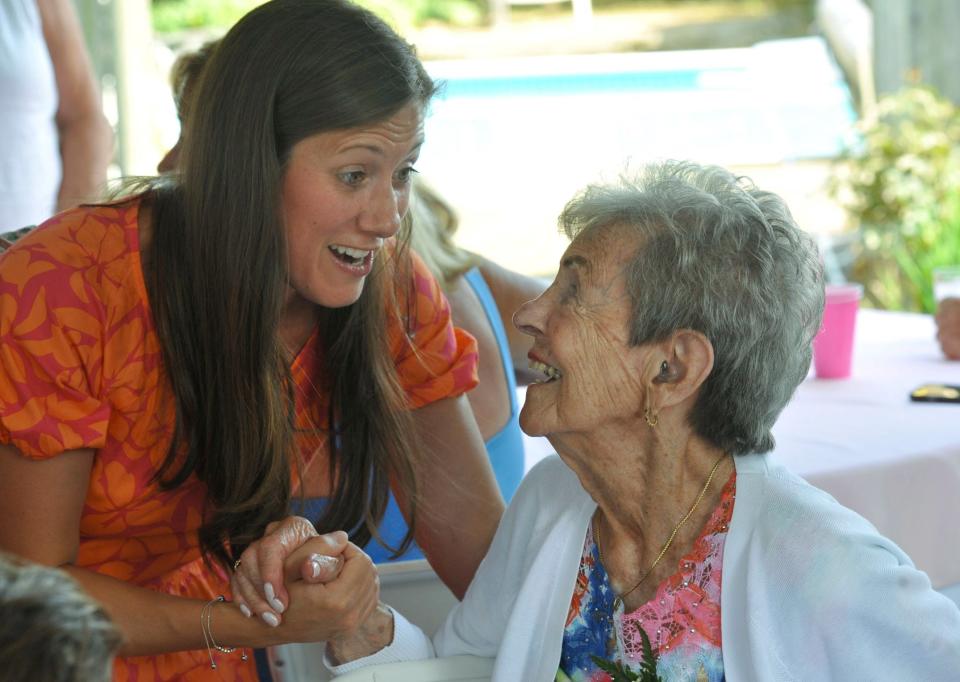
[206,616]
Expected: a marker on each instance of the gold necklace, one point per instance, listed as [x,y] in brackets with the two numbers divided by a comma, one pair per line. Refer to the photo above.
[618,599]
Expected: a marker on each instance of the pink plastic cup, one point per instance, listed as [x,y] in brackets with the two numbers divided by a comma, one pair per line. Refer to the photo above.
[833,344]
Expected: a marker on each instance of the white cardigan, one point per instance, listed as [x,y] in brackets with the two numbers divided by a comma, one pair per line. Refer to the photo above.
[810,590]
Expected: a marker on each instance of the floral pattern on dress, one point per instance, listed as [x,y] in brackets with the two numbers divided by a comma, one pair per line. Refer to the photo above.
[682,620]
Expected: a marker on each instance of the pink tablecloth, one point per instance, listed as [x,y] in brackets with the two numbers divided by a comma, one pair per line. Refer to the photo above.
[895,462]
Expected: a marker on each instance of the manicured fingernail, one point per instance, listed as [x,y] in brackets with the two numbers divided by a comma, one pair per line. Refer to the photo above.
[245,611]
[270,619]
[322,562]
[272,598]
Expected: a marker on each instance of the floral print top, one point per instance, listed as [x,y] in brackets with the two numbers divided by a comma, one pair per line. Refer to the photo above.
[80,368]
[681,621]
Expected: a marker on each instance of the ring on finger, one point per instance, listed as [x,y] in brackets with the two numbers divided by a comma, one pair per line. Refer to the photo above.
[236,565]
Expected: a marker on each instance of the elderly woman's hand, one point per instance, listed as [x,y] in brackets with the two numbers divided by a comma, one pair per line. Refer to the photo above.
[375,633]
[314,561]
[310,564]
[948,327]
[259,581]
[333,598]
[331,610]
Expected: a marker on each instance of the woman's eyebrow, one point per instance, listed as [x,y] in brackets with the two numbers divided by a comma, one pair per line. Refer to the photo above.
[576,261]
[376,149]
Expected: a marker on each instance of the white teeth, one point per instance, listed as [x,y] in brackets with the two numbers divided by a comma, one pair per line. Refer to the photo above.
[347,251]
[551,372]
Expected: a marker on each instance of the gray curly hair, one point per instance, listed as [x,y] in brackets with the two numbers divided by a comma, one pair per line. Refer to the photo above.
[724,258]
[51,631]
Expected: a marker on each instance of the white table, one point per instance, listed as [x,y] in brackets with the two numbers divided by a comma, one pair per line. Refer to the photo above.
[895,462]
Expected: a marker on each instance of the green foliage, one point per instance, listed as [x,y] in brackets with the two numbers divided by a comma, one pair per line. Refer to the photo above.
[406,14]
[451,12]
[668,3]
[171,16]
[901,184]
[648,664]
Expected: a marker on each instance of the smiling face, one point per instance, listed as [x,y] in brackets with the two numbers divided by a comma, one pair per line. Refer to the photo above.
[580,331]
[344,192]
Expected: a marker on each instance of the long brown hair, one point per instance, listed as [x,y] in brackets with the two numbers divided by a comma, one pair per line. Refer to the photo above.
[216,275]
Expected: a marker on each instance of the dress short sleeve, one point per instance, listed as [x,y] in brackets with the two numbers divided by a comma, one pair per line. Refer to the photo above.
[52,337]
[434,359]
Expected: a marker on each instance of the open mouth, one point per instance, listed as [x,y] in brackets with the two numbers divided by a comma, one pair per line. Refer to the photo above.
[552,373]
[354,258]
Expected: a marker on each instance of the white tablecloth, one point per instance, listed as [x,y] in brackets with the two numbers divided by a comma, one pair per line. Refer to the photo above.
[894,461]
[861,439]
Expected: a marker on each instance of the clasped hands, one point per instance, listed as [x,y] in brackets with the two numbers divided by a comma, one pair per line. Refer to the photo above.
[312,588]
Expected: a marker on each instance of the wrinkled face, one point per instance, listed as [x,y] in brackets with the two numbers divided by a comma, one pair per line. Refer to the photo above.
[345,192]
[580,331]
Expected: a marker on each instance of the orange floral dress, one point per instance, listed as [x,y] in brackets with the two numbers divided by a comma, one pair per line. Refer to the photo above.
[80,368]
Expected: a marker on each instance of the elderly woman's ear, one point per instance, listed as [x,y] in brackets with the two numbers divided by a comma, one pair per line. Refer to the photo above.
[683,362]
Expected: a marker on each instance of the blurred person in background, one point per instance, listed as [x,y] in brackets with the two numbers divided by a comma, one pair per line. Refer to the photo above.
[55,143]
[51,630]
[483,296]
[948,327]
[184,77]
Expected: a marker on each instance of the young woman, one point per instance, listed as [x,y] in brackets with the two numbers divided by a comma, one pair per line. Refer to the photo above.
[481,295]
[175,363]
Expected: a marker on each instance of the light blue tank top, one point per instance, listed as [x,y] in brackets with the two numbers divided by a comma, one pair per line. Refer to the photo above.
[505,448]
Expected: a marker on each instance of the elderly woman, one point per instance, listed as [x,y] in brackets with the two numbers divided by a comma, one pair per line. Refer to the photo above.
[662,542]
